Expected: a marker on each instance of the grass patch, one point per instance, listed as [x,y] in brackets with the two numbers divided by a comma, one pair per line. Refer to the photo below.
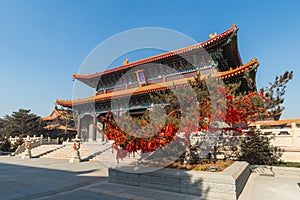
[287,164]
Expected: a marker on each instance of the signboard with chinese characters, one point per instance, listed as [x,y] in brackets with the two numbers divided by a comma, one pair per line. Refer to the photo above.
[141,77]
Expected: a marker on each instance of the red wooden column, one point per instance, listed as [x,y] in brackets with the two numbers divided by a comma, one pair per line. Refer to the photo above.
[94,127]
[79,126]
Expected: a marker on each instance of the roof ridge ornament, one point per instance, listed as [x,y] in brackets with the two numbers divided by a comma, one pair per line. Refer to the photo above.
[234,26]
[126,61]
[212,35]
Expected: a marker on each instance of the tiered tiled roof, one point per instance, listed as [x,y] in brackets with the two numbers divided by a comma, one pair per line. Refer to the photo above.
[92,79]
[233,72]
[58,127]
[154,87]
[52,122]
[55,114]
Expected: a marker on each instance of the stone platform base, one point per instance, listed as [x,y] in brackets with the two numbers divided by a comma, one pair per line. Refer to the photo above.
[227,184]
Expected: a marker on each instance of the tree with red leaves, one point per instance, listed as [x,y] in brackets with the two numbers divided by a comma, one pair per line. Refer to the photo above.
[216,103]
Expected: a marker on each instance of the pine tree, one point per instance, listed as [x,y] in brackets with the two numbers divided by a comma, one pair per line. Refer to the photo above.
[257,149]
[3,124]
[23,122]
[275,92]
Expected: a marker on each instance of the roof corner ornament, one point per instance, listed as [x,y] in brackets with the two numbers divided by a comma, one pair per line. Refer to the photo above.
[234,26]
[212,35]
[126,62]
[214,71]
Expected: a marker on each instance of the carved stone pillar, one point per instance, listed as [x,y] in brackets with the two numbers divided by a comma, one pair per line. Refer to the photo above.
[27,153]
[76,153]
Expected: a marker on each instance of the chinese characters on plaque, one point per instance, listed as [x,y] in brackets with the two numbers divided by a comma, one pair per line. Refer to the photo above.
[141,77]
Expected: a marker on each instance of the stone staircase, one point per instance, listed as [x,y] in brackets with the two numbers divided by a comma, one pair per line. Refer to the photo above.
[88,151]
[108,158]
[63,153]
[42,150]
[91,151]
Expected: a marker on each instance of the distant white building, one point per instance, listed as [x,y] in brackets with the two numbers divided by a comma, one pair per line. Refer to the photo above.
[285,134]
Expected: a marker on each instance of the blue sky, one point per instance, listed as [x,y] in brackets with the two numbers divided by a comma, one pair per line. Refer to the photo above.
[43,42]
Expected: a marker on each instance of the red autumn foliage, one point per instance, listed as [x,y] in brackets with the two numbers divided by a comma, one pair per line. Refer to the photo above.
[126,144]
[239,111]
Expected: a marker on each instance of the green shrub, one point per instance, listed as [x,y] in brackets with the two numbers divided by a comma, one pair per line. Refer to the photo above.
[257,149]
[5,146]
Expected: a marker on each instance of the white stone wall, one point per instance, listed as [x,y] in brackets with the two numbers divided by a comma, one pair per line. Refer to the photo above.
[292,140]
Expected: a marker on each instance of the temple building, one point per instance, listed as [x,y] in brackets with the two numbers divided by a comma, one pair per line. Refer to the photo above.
[132,82]
[59,124]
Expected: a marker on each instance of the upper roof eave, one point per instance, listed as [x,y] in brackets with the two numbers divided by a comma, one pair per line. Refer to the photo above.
[153,87]
[217,38]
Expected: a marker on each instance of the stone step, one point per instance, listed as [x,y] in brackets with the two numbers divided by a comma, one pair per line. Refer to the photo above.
[87,151]
[44,149]
[91,151]
[62,153]
[108,158]
[262,170]
[41,150]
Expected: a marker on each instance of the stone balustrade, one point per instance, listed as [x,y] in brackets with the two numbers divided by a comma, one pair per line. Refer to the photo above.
[34,142]
[286,137]
[20,149]
[41,139]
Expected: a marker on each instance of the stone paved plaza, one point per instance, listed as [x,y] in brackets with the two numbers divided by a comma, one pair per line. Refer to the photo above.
[47,178]
[264,187]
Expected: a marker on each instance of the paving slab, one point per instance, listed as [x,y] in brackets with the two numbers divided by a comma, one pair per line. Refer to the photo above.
[267,187]
[109,191]
[44,178]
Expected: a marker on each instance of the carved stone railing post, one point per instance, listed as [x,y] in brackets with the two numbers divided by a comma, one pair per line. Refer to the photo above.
[41,140]
[76,153]
[27,153]
[293,127]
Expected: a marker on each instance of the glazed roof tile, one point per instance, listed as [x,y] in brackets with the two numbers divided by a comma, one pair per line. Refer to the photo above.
[211,41]
[154,87]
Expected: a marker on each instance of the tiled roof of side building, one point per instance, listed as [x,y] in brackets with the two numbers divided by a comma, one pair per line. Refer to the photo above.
[59,127]
[276,123]
[55,114]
